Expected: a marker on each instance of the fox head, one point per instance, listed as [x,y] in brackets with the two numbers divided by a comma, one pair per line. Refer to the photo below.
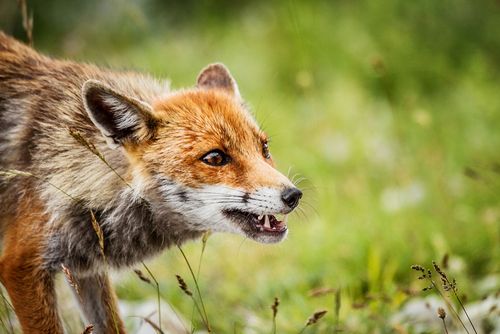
[198,154]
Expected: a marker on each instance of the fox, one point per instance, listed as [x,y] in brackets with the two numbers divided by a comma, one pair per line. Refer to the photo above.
[153,167]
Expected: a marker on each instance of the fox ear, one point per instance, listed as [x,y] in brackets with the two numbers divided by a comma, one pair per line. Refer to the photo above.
[119,118]
[217,76]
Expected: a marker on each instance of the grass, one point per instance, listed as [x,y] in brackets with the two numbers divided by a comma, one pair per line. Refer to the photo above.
[390,112]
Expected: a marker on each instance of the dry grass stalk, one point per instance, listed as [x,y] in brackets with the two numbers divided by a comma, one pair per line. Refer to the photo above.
[71,280]
[142,277]
[91,147]
[98,232]
[27,20]
[274,307]
[155,326]
[204,240]
[315,317]
[12,173]
[156,284]
[183,285]
[442,315]
[204,315]
[427,274]
[85,143]
[452,286]
[89,329]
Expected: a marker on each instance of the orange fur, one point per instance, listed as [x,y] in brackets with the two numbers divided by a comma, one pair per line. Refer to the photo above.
[21,271]
[187,134]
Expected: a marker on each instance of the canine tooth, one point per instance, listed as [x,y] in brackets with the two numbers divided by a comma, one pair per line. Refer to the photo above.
[260,217]
[266,222]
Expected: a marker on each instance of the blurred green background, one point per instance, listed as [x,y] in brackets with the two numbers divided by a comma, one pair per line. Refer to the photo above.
[389,109]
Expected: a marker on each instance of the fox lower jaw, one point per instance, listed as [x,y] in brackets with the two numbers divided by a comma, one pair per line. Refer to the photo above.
[224,209]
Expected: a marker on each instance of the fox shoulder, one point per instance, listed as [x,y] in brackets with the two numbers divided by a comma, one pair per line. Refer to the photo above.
[11,45]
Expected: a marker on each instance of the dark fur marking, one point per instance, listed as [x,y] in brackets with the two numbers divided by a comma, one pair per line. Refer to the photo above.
[182,196]
[245,198]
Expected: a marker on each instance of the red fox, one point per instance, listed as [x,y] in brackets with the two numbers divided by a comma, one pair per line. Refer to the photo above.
[156,168]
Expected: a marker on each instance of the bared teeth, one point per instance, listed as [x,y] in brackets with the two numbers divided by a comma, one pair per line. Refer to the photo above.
[260,217]
[266,221]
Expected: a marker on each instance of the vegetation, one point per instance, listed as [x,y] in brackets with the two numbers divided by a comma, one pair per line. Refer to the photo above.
[389,110]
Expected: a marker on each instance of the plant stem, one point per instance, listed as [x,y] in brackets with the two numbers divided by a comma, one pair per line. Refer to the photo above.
[203,245]
[463,308]
[157,293]
[445,328]
[205,318]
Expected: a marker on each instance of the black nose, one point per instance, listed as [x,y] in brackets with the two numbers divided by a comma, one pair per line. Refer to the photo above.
[291,197]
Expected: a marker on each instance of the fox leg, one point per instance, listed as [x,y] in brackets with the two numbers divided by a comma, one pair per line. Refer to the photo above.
[31,289]
[27,280]
[98,303]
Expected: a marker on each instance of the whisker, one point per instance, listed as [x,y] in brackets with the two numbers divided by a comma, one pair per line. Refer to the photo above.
[310,206]
[295,176]
[299,181]
[300,212]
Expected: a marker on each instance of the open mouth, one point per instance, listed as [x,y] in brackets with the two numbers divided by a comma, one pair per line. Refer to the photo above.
[259,225]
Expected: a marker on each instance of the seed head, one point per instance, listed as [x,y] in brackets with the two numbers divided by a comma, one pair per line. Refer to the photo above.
[71,279]
[142,277]
[85,143]
[89,329]
[441,313]
[438,270]
[427,288]
[315,317]
[274,306]
[418,268]
[183,285]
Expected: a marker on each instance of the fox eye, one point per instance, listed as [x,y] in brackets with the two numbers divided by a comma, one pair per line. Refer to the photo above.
[265,150]
[216,158]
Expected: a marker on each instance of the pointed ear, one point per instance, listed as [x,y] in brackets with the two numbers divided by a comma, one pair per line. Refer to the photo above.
[119,118]
[217,76]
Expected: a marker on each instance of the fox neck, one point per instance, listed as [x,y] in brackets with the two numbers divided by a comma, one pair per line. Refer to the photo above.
[133,230]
